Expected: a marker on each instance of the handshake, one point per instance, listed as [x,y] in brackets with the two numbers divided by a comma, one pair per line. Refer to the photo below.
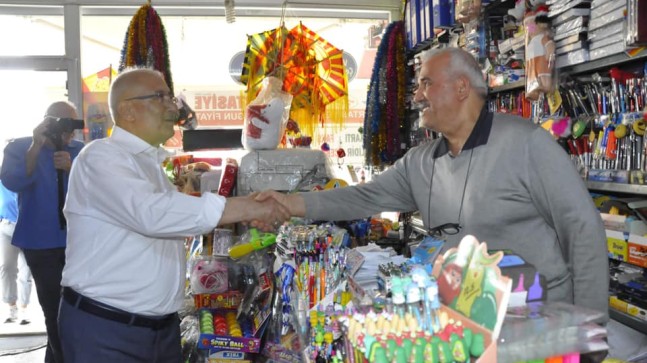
[265,210]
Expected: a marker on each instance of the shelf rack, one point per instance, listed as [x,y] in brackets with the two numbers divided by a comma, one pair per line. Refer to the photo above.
[508,87]
[594,65]
[617,187]
[628,320]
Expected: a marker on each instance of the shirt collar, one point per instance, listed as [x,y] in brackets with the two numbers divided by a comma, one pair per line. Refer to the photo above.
[135,145]
[479,136]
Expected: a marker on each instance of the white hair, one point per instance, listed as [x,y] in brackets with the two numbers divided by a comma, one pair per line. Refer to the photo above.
[460,62]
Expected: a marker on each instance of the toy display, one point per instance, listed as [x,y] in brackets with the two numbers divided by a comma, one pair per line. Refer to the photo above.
[294,299]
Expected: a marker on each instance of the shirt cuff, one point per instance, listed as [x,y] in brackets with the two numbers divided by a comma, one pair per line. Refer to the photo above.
[213,208]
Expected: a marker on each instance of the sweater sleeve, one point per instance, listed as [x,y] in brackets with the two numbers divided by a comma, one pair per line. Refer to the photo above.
[562,199]
[390,191]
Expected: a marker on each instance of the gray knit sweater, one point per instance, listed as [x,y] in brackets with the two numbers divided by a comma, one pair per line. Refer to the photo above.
[521,193]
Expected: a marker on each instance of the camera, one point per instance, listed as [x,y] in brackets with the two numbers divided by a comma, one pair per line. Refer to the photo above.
[60,125]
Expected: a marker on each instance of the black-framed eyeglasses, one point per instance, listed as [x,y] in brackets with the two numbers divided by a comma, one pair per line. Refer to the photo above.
[448,229]
[161,96]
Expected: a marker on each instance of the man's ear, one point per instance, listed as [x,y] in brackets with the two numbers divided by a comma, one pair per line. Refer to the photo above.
[126,112]
[463,87]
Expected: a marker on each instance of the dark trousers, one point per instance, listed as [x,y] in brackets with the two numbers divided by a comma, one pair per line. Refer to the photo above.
[89,338]
[46,268]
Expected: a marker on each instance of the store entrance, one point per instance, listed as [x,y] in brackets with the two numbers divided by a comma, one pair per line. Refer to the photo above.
[24,95]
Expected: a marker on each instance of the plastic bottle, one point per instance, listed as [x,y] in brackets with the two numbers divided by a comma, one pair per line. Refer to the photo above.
[413,303]
[397,293]
[431,306]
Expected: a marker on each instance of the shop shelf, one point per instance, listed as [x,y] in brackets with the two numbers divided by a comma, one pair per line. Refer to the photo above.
[617,187]
[508,87]
[628,320]
[602,63]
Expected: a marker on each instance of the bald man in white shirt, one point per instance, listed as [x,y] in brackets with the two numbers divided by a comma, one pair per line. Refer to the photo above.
[125,273]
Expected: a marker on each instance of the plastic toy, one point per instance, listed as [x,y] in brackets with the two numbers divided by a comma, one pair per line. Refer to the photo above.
[264,125]
[209,275]
[252,241]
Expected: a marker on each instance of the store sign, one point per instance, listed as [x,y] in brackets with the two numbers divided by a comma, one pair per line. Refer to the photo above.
[221,108]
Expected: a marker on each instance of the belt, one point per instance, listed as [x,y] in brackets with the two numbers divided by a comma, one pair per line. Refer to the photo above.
[104,311]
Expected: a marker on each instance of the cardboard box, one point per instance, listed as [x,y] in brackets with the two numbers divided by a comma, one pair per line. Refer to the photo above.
[637,250]
[617,246]
[613,222]
[215,343]
[428,9]
[251,344]
[228,300]
[416,24]
[226,356]
[443,10]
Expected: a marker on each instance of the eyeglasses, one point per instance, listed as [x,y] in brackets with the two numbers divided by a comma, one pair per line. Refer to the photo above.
[445,229]
[161,96]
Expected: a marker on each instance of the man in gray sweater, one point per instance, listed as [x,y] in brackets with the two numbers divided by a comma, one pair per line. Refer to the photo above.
[498,177]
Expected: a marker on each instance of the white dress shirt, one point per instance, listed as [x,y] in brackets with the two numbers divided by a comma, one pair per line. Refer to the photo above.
[126,226]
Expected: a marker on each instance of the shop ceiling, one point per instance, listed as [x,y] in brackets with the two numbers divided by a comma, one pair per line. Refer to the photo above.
[386,5]
[319,8]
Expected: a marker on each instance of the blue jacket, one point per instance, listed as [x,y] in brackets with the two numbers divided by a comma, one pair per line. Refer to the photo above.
[38,226]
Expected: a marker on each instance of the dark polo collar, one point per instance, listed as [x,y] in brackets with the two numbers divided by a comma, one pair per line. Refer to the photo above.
[479,135]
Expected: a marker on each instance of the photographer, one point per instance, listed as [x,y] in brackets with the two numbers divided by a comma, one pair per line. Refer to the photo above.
[37,168]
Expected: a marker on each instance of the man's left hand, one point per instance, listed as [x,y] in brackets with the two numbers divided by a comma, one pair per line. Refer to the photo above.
[62,160]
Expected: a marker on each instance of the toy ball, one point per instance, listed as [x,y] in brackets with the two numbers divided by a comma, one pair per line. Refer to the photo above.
[620,131]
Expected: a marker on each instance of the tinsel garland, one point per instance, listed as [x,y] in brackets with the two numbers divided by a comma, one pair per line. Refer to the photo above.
[372,114]
[385,101]
[145,44]
[392,124]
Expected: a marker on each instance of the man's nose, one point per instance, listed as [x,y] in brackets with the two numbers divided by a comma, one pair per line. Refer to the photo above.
[418,96]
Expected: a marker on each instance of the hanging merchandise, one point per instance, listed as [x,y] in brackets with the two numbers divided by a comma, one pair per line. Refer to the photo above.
[312,71]
[385,102]
[467,10]
[266,116]
[540,53]
[145,44]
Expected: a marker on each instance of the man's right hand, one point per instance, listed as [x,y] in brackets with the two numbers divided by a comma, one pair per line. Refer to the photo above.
[39,136]
[269,215]
[293,202]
